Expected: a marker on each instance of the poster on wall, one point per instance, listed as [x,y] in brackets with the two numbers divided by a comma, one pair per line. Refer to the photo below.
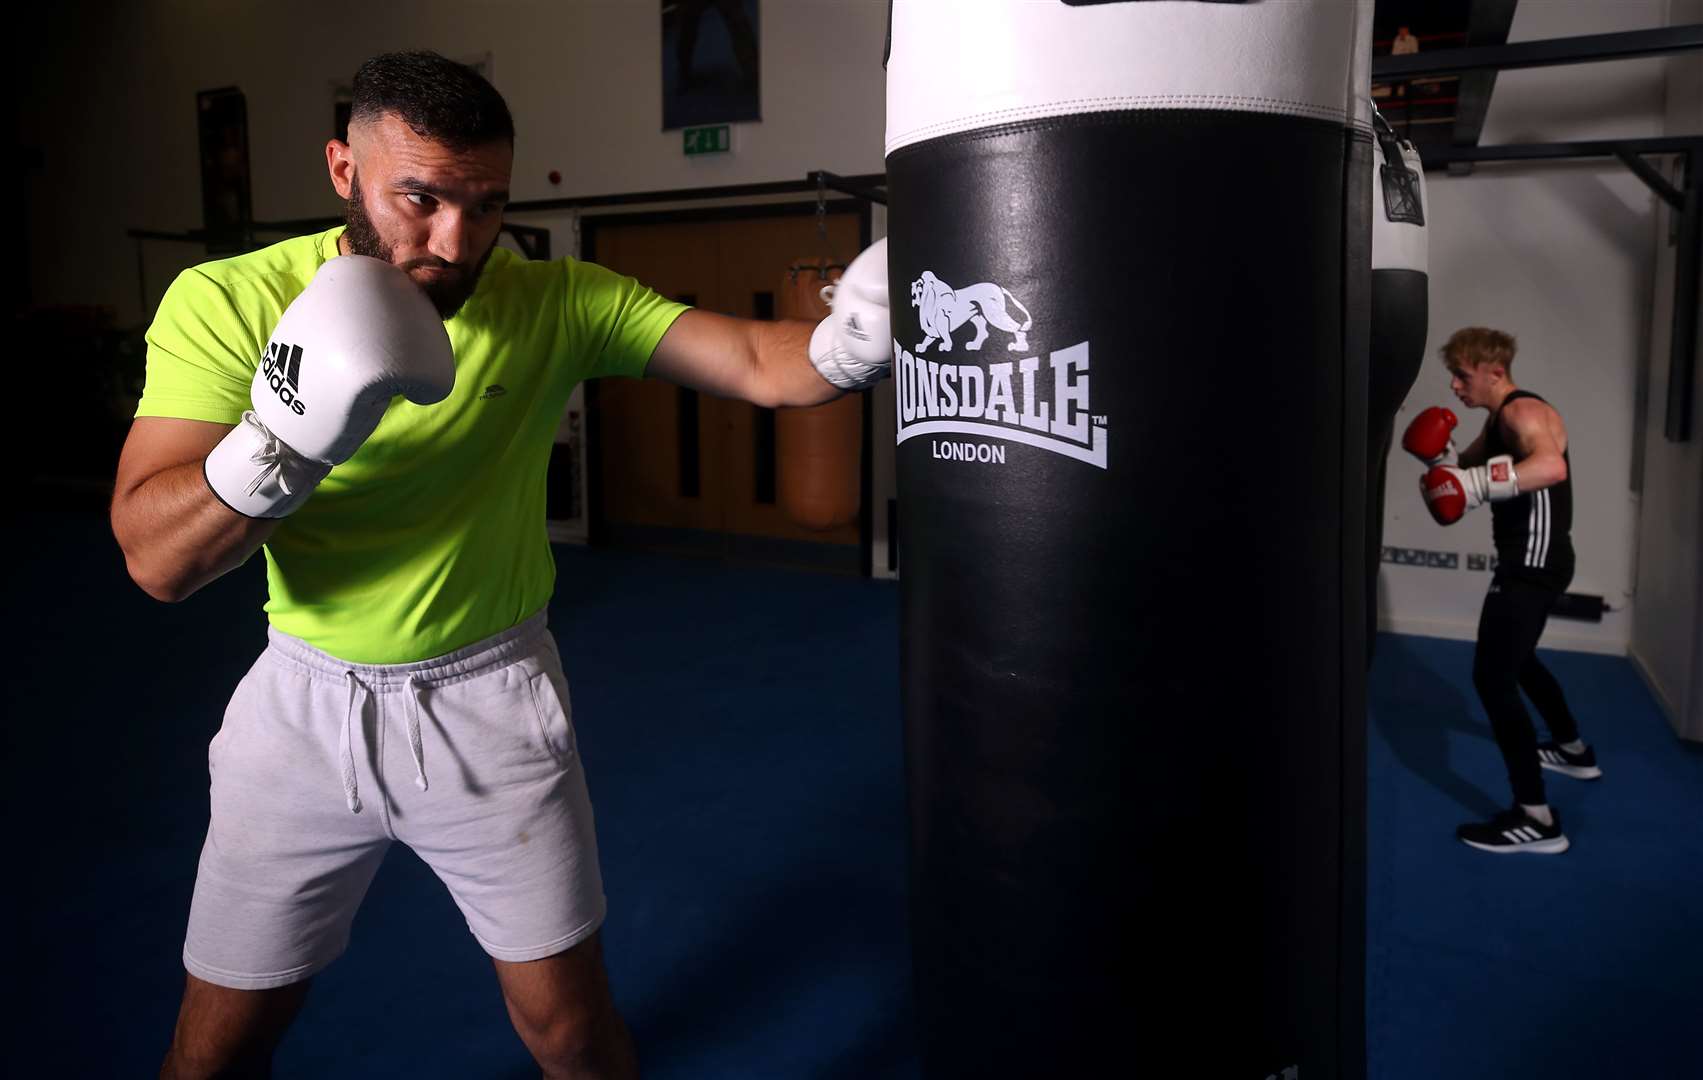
[227,209]
[709,62]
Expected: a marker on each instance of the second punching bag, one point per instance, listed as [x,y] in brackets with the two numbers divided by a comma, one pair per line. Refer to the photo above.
[1128,255]
[1400,308]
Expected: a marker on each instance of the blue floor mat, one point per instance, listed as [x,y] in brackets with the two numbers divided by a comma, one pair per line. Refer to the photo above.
[741,733]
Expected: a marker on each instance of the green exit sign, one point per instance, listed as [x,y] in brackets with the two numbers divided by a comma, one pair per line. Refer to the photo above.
[715,139]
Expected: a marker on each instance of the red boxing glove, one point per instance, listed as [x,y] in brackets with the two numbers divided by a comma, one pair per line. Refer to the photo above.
[1445,494]
[1428,437]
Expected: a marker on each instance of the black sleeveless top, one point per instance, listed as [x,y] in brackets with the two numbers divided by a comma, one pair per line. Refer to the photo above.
[1533,531]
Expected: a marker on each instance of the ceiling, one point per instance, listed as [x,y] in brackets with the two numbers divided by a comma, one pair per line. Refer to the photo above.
[1444,110]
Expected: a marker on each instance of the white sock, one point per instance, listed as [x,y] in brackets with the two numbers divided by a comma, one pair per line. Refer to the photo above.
[1539,813]
[1577,746]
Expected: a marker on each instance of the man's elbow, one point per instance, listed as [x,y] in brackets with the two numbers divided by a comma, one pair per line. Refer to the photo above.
[166,588]
[760,393]
[158,582]
[766,395]
[165,595]
[781,373]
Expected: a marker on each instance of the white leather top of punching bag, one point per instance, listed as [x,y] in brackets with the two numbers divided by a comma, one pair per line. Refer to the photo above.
[1398,245]
[961,65]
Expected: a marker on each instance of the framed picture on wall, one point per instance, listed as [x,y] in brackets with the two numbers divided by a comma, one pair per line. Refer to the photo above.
[710,62]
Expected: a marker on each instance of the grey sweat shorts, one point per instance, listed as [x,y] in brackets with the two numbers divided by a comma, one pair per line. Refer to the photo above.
[469,759]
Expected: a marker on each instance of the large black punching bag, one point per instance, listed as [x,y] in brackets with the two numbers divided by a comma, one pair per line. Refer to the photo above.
[1400,309]
[1131,390]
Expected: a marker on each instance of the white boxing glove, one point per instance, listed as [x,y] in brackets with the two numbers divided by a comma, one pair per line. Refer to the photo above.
[358,335]
[853,348]
[1494,481]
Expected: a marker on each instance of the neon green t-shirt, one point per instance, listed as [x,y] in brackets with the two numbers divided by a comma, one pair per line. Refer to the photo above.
[432,536]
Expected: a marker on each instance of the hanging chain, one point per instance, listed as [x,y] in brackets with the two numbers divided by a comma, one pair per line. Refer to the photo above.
[822,221]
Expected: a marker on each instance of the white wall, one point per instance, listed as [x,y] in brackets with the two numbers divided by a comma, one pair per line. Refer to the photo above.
[1667,632]
[111,103]
[1561,255]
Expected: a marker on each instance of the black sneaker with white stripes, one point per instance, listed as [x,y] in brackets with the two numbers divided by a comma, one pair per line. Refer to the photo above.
[1580,766]
[1514,830]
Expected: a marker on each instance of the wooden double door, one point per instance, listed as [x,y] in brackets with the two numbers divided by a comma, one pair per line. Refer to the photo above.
[677,471]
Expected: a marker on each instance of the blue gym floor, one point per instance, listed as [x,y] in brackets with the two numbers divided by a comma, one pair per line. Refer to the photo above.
[740,730]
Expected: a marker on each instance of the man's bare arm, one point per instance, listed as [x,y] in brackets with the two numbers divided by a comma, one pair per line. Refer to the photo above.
[765,363]
[1533,427]
[175,534]
[789,362]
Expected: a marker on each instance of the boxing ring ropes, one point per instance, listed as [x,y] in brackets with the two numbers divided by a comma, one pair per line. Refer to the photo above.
[1685,196]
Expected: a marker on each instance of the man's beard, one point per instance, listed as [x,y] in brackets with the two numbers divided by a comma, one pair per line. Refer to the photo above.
[446,292]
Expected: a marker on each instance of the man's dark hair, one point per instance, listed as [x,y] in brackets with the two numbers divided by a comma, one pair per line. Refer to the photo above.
[439,99]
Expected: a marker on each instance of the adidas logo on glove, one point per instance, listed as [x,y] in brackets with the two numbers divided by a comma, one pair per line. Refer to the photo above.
[283,366]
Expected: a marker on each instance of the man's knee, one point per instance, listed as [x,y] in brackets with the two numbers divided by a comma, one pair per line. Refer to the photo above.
[216,1063]
[563,1011]
[564,1039]
[573,1040]
[1494,682]
[229,1033]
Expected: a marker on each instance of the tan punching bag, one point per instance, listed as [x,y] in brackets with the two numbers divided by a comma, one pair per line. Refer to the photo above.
[817,449]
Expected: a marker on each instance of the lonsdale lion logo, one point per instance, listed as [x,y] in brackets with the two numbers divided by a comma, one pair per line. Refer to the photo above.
[942,309]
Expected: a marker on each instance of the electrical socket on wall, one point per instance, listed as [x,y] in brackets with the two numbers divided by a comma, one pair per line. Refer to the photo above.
[1434,560]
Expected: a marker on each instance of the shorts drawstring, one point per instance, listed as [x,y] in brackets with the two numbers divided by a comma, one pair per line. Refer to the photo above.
[414,733]
[351,789]
[375,680]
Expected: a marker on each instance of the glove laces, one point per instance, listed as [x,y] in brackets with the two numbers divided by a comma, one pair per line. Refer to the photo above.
[270,457]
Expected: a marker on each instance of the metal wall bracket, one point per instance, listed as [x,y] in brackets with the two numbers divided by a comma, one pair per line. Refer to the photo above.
[1628,45]
[862,187]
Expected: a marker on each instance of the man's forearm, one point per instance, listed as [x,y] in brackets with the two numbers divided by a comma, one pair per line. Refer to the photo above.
[1540,471]
[177,536]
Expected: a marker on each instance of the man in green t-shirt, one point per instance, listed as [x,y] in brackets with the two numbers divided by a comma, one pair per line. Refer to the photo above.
[373,408]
